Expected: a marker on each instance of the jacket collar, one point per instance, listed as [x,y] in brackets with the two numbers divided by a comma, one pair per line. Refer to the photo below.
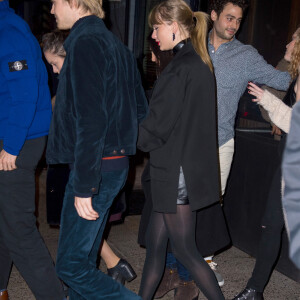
[4,7]
[180,45]
[77,27]
[81,21]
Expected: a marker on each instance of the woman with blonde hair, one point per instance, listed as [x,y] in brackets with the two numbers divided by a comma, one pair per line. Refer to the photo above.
[273,222]
[180,135]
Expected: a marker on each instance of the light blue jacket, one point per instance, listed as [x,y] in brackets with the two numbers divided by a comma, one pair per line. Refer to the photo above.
[291,176]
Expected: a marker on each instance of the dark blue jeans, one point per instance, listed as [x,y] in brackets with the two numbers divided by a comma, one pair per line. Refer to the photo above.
[79,243]
[173,263]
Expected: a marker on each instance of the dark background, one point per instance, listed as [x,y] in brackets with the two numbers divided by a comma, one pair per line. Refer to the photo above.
[268,25]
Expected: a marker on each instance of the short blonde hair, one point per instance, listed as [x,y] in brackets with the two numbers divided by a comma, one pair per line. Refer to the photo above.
[92,6]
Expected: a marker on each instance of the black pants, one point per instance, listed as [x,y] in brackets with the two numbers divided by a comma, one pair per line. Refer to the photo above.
[20,241]
[270,240]
[57,178]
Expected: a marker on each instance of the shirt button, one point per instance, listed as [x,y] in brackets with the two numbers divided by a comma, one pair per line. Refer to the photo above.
[93,190]
[122,151]
[115,152]
[212,51]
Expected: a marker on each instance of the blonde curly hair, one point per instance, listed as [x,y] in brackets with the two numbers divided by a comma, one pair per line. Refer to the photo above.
[295,57]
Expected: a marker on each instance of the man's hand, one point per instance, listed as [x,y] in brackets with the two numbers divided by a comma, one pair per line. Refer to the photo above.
[7,161]
[85,209]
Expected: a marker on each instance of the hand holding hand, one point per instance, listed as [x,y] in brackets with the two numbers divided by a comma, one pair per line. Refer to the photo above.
[7,161]
[255,91]
[85,209]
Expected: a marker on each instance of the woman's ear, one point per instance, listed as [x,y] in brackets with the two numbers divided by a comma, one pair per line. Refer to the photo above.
[175,27]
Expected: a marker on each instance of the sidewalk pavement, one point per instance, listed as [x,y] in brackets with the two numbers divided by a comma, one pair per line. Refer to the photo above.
[234,265]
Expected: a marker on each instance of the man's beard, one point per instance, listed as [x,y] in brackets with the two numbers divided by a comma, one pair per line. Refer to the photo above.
[224,36]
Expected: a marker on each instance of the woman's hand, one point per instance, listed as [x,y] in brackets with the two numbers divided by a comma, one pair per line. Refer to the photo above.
[255,91]
[275,130]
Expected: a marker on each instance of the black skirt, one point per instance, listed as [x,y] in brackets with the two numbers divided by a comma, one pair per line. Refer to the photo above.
[211,229]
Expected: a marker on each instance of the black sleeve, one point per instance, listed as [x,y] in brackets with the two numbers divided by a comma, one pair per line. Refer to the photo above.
[164,110]
[88,74]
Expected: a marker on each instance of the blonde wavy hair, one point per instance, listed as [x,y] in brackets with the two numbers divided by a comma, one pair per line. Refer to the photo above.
[195,24]
[295,57]
[92,6]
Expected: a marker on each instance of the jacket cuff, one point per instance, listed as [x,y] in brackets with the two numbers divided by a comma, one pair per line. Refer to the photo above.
[83,195]
[11,151]
[267,101]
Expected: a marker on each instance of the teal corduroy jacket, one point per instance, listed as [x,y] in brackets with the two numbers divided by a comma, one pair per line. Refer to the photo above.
[99,103]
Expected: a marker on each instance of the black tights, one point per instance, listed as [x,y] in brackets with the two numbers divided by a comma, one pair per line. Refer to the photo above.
[179,228]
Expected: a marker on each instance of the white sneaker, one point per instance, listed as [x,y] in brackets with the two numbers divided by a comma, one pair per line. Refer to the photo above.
[219,277]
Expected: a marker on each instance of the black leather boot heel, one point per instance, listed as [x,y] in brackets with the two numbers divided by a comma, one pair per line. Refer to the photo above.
[121,272]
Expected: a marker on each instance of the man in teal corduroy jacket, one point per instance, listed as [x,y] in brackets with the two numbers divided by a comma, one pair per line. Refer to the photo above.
[99,104]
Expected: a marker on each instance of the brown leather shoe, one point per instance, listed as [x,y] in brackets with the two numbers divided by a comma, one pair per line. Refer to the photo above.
[186,290]
[4,295]
[169,282]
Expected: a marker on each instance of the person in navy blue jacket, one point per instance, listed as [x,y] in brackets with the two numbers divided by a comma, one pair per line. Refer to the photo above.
[25,114]
[99,104]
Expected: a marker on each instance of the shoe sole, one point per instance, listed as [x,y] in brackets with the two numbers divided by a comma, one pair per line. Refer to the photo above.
[128,273]
[133,276]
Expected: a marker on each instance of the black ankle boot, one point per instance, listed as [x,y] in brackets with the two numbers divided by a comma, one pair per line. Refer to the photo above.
[187,290]
[249,294]
[169,282]
[121,272]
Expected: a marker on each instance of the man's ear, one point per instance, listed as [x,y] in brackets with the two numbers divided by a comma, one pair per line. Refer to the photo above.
[73,3]
[213,15]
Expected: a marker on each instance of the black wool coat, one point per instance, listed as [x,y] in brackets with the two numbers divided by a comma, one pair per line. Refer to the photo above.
[181,130]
